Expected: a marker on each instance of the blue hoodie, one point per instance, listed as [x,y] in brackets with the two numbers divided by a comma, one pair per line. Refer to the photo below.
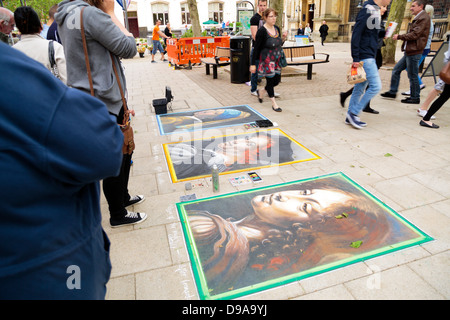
[366,31]
[56,143]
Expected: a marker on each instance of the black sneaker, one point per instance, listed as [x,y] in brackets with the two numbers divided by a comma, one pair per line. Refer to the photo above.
[389,94]
[135,200]
[129,219]
[411,101]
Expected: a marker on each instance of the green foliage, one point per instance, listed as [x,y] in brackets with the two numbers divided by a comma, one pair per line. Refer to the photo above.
[40,6]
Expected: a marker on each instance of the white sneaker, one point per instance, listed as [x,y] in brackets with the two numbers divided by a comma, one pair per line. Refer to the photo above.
[276,95]
[254,93]
[408,93]
[422,113]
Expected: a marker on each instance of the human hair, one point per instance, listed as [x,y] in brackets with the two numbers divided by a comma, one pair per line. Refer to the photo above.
[52,11]
[5,14]
[430,10]
[27,20]
[95,3]
[421,3]
[262,1]
[269,11]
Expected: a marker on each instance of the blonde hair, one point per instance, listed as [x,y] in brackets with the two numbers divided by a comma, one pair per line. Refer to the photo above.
[430,10]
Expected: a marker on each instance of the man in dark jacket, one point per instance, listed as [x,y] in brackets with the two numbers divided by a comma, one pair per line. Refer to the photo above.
[56,144]
[323,30]
[414,42]
[364,47]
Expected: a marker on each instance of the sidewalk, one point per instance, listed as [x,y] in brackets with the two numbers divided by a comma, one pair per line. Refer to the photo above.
[150,260]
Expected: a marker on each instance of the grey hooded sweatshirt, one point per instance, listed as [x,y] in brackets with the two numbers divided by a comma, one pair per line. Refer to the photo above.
[102,37]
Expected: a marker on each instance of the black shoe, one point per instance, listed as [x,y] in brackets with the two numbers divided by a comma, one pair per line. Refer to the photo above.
[135,200]
[259,99]
[389,94]
[130,219]
[411,101]
[424,124]
[370,110]
[343,98]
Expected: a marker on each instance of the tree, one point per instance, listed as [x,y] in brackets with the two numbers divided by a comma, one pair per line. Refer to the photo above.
[40,6]
[193,12]
[278,5]
[396,14]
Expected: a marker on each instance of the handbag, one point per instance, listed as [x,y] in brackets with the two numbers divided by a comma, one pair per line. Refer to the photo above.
[356,75]
[51,58]
[444,75]
[128,142]
[283,61]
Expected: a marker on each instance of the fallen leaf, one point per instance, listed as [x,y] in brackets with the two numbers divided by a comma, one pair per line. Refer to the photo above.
[388,155]
[356,244]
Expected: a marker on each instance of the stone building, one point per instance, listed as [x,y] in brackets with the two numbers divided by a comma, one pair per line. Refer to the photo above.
[339,14]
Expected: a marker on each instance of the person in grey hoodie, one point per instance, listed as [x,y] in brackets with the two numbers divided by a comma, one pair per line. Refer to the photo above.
[104,35]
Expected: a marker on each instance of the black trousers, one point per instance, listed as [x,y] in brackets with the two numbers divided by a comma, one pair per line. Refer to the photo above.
[437,104]
[115,189]
[271,83]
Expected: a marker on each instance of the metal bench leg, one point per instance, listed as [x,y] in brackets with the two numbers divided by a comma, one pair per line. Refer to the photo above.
[207,68]
[214,71]
[309,74]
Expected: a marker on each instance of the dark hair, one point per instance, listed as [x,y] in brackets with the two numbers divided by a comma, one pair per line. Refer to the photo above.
[421,2]
[27,20]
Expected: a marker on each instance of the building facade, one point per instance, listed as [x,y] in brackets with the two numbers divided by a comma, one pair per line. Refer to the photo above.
[339,14]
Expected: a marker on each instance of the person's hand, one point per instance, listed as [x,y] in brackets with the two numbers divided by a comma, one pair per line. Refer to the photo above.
[356,65]
[253,69]
[395,37]
[285,34]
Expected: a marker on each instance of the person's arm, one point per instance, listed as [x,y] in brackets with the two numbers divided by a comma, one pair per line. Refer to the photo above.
[260,40]
[104,30]
[108,8]
[358,30]
[417,31]
[162,34]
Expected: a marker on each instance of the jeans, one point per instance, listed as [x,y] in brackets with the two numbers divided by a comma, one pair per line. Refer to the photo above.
[254,76]
[360,96]
[157,46]
[411,64]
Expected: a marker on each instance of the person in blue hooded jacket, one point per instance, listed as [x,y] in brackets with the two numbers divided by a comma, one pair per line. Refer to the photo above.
[56,143]
[364,45]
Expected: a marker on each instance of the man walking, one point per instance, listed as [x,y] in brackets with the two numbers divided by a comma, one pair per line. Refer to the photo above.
[156,43]
[323,30]
[364,47]
[255,24]
[414,42]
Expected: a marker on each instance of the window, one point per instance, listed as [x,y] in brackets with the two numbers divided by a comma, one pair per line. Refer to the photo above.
[160,12]
[215,11]
[185,16]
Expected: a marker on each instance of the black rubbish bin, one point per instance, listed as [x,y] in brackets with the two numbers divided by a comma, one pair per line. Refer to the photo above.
[160,105]
[240,59]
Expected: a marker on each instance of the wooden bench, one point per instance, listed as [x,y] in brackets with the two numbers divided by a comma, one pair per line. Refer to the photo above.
[298,56]
[221,58]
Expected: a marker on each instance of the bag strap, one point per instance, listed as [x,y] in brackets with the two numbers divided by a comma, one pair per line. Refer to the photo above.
[86,57]
[126,115]
[51,54]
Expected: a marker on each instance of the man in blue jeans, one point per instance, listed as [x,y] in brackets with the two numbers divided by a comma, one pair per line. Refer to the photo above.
[364,47]
[414,42]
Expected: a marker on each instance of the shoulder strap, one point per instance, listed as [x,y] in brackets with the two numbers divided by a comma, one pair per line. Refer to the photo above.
[125,107]
[86,57]
[88,68]
[51,54]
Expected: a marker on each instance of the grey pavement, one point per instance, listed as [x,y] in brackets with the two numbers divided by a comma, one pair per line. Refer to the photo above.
[150,260]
